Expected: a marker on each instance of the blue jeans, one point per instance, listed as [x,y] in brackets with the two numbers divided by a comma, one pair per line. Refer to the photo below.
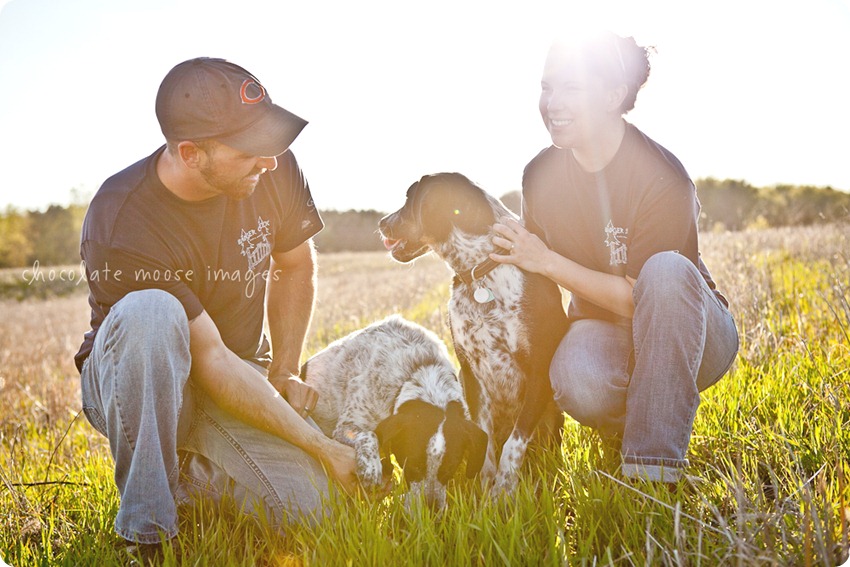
[169,441]
[641,383]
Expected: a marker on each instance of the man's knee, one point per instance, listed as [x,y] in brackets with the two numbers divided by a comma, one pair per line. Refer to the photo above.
[153,304]
[151,318]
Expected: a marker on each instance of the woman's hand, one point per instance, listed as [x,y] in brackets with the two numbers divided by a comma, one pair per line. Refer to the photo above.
[526,250]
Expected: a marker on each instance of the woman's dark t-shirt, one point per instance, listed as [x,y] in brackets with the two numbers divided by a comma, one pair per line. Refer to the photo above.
[643,202]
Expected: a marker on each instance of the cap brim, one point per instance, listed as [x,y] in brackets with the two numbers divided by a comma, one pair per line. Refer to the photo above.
[269,136]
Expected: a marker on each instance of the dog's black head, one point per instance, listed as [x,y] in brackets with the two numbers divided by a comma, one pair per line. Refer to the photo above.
[428,453]
[436,205]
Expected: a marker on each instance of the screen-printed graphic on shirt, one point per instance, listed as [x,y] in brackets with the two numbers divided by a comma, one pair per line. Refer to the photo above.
[614,237]
[255,243]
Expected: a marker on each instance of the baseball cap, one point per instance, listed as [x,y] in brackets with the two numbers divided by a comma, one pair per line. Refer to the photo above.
[207,98]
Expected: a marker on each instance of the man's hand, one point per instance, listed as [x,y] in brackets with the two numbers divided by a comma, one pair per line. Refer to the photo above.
[341,465]
[300,396]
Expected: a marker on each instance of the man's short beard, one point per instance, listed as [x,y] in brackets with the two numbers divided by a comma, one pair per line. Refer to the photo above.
[236,190]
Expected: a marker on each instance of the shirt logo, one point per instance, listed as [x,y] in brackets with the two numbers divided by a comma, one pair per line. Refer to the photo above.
[618,249]
[255,243]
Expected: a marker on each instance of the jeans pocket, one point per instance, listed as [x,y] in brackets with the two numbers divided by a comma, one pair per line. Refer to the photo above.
[91,398]
[95,419]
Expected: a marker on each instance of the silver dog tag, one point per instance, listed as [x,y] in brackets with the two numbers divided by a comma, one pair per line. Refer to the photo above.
[483,295]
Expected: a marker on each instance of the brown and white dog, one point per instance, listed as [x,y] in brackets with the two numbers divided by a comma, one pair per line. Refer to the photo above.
[390,388]
[505,323]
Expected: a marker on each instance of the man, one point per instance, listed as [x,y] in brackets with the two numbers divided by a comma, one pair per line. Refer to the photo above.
[181,249]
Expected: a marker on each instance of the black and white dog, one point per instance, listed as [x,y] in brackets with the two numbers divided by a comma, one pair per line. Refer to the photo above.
[391,388]
[505,323]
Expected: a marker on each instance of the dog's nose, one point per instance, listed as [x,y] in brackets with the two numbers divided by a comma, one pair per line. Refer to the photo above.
[385,232]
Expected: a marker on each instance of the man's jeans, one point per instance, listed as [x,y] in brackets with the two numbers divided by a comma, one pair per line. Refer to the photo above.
[641,383]
[169,441]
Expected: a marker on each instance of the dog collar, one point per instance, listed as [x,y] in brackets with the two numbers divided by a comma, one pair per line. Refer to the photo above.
[478,271]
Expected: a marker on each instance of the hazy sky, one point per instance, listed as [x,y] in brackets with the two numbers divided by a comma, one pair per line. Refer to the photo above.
[754,90]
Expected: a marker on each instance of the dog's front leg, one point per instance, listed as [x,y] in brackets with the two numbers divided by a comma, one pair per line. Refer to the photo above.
[369,469]
[538,395]
[513,454]
[366,453]
[485,422]
[480,411]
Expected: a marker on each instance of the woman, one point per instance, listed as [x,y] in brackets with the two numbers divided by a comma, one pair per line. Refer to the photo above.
[611,216]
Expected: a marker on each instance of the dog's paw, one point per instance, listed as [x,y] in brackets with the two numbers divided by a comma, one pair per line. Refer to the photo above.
[369,468]
[505,484]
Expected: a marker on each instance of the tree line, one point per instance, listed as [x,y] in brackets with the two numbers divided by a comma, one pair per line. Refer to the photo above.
[51,236]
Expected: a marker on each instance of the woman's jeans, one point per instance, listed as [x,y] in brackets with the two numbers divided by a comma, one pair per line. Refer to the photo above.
[641,382]
[169,441]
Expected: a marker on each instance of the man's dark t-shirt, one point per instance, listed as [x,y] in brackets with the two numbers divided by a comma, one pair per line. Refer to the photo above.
[212,255]
[642,203]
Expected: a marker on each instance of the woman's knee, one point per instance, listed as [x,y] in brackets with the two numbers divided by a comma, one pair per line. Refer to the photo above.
[590,371]
[665,274]
[577,391]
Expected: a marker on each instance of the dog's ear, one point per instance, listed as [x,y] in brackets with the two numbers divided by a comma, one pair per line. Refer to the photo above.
[412,201]
[476,448]
[451,200]
[414,418]
[463,438]
[393,433]
[388,429]
[406,433]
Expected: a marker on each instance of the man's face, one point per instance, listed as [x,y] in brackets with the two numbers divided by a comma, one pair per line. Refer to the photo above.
[232,173]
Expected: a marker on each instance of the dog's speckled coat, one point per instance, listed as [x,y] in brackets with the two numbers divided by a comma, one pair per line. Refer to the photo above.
[505,345]
[391,388]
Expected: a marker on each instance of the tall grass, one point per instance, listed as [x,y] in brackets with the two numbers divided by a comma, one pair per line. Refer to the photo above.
[770,454]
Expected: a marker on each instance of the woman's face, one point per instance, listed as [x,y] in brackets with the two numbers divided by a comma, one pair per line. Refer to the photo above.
[574,102]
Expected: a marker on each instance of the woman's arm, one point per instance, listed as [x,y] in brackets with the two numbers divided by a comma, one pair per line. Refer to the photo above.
[530,253]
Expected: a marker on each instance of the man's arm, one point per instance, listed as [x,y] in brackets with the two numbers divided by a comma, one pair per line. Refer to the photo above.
[244,392]
[290,300]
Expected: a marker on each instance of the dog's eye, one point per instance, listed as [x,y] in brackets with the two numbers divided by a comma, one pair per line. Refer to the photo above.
[456,211]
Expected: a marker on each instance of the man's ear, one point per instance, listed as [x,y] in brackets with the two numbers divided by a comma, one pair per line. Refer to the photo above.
[191,154]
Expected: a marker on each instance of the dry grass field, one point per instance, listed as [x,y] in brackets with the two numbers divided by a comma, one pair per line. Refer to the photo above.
[770,453]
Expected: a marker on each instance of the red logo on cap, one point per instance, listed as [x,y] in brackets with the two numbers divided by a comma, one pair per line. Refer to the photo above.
[243,92]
